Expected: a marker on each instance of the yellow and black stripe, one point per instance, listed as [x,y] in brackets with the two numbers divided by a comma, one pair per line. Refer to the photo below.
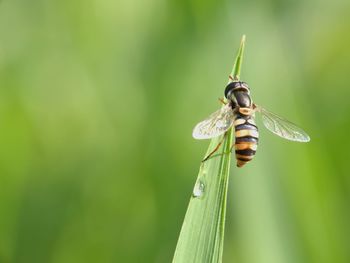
[247,137]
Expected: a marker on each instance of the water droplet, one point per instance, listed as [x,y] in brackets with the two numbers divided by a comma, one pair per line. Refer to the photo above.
[199,189]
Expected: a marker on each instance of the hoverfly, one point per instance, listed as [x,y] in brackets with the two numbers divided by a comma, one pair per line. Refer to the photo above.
[239,111]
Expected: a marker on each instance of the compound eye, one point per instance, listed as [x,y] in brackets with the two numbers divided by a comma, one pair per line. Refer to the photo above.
[245,85]
[229,89]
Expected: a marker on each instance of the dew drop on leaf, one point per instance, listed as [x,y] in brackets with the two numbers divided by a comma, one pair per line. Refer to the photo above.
[199,189]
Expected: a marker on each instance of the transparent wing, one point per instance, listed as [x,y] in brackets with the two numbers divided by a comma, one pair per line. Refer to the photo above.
[282,127]
[216,124]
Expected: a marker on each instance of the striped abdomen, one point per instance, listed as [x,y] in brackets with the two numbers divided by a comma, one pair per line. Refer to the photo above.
[247,137]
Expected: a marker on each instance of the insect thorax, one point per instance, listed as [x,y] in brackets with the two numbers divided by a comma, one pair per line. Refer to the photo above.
[237,92]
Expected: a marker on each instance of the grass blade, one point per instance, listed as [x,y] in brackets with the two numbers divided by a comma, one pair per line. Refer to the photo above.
[202,234]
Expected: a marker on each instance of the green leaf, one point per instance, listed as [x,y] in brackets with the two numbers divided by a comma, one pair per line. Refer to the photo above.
[202,234]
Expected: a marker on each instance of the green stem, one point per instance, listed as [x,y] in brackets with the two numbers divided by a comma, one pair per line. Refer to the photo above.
[225,165]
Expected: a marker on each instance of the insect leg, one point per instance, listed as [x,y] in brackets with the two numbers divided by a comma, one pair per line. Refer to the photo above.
[222,101]
[256,108]
[233,79]
[215,149]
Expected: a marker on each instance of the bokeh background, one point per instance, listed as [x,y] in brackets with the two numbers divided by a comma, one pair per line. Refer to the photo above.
[97,104]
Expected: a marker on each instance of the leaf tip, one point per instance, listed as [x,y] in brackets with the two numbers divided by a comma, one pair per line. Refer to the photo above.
[238,61]
[243,39]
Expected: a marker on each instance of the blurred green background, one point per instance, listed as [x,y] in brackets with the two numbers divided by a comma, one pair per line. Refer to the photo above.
[97,104]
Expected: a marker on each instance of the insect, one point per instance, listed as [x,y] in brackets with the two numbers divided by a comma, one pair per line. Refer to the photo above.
[239,111]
